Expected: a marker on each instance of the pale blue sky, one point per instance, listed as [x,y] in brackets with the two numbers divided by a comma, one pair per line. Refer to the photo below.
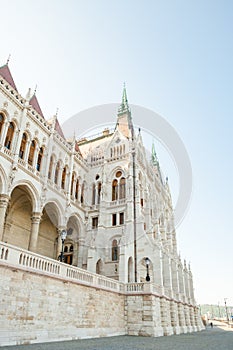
[176,58]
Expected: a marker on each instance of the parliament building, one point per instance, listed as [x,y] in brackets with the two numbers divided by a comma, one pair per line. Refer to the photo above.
[86,230]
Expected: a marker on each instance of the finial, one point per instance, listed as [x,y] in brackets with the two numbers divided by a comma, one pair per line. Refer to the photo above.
[8,59]
[35,89]
[56,111]
[139,130]
[166,179]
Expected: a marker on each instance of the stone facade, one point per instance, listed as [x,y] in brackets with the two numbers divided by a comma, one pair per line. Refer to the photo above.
[109,198]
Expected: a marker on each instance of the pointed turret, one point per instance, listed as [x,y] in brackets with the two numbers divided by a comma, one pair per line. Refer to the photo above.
[124,120]
[6,74]
[154,159]
[35,104]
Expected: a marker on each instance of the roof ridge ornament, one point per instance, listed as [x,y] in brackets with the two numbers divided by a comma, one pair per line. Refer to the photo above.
[8,59]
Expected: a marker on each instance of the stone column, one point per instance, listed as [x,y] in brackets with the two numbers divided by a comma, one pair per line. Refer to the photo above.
[165,316]
[181,317]
[174,317]
[34,231]
[4,199]
[192,319]
[187,318]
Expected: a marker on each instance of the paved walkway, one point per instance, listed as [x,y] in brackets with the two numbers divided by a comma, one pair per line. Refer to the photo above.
[215,338]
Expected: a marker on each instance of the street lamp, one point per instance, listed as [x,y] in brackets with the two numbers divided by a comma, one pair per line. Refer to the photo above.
[63,237]
[225,301]
[147,261]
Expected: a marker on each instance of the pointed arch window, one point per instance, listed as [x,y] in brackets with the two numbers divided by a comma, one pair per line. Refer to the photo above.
[118,186]
[63,178]
[82,193]
[72,184]
[1,121]
[23,146]
[115,250]
[114,190]
[39,159]
[31,152]
[76,189]
[9,136]
[56,173]
[122,188]
[98,192]
[50,168]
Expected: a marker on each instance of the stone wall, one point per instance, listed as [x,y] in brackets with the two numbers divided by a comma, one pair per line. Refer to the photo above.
[37,308]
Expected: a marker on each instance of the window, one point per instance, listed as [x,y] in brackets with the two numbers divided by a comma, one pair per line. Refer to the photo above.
[95,222]
[114,219]
[9,136]
[23,146]
[82,194]
[114,190]
[31,152]
[118,187]
[56,173]
[142,202]
[122,188]
[72,185]
[39,159]
[114,250]
[76,189]
[63,178]
[98,192]
[1,121]
[50,168]
[122,221]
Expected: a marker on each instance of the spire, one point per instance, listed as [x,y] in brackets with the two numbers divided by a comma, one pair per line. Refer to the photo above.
[124,120]
[124,107]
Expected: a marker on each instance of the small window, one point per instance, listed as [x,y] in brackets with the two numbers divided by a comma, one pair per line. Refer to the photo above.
[118,174]
[114,219]
[114,250]
[122,221]
[142,202]
[95,222]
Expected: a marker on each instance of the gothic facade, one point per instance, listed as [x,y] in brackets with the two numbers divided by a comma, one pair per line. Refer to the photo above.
[111,201]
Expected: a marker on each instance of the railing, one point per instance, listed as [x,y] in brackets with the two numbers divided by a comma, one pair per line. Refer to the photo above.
[117,202]
[19,258]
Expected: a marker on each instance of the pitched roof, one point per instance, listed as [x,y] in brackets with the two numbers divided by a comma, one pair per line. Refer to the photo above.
[58,129]
[35,104]
[6,74]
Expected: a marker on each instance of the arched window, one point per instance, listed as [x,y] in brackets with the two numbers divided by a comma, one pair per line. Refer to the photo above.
[9,136]
[31,152]
[98,192]
[82,193]
[72,184]
[118,186]
[50,168]
[76,189]
[1,122]
[122,188]
[114,190]
[39,159]
[114,250]
[56,173]
[99,266]
[23,146]
[63,178]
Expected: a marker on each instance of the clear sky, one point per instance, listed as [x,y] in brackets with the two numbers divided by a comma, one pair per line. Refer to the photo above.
[176,59]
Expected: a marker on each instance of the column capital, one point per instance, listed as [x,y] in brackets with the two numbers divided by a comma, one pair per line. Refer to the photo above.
[36,216]
[4,199]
